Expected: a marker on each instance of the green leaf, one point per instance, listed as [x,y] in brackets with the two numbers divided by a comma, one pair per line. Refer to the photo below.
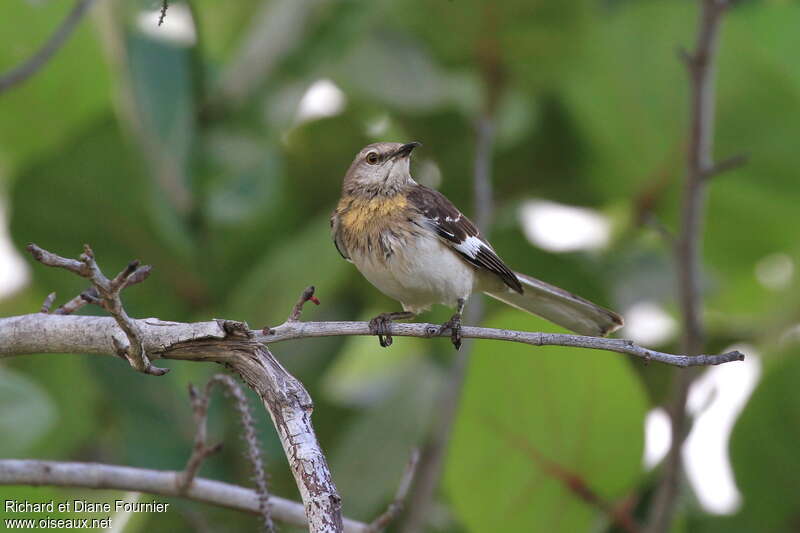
[526,409]
[632,99]
[369,460]
[268,292]
[764,450]
[71,88]
[94,190]
[533,42]
[73,387]
[162,88]
[26,413]
[400,73]
[362,375]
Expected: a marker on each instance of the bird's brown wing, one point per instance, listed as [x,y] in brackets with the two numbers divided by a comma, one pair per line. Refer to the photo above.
[336,236]
[457,231]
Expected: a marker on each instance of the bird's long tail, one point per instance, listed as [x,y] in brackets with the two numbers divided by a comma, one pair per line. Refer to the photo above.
[560,307]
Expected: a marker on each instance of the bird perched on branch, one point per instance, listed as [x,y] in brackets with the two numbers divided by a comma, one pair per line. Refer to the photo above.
[415,246]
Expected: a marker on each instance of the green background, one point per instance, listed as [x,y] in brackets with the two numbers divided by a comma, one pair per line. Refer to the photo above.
[133,144]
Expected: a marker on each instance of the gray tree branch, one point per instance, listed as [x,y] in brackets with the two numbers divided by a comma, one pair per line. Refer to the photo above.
[301,330]
[701,67]
[43,333]
[160,482]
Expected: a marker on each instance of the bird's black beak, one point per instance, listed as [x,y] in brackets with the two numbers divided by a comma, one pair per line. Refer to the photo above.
[405,150]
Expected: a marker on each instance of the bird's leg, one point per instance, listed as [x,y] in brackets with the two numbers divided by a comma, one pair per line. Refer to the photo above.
[381,325]
[454,325]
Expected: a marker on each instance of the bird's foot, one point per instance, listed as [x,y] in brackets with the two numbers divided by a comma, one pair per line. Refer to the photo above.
[454,325]
[381,326]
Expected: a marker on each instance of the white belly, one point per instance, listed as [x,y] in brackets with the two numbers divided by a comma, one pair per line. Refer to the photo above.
[420,272]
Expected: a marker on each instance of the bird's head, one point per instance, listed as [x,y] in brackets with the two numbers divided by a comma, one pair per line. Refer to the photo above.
[380,168]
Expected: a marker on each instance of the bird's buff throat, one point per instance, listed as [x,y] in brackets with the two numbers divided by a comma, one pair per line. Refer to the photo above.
[359,214]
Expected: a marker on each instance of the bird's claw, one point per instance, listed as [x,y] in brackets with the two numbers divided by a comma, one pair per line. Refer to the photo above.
[454,325]
[381,326]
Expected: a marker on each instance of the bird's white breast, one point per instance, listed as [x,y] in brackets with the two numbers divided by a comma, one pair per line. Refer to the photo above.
[420,271]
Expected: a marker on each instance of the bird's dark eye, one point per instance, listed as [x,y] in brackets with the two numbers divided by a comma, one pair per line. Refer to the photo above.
[372,158]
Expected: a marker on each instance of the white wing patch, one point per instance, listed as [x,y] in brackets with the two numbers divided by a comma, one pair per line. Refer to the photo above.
[470,246]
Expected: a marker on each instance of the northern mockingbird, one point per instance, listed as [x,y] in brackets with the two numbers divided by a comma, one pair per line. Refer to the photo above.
[415,246]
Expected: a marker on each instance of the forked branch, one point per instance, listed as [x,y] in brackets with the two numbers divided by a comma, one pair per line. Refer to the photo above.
[106,294]
[201,449]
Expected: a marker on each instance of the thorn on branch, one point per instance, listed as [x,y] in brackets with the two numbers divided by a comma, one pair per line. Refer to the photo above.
[396,506]
[305,296]
[48,303]
[163,15]
[105,293]
[201,450]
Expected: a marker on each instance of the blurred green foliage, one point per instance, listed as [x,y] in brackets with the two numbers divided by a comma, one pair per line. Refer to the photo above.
[530,425]
[139,146]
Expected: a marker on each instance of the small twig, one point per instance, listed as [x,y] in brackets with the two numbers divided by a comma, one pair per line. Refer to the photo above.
[726,165]
[701,68]
[302,330]
[86,297]
[201,450]
[305,296]
[48,303]
[30,67]
[396,506]
[107,296]
[163,15]
[121,279]
[90,295]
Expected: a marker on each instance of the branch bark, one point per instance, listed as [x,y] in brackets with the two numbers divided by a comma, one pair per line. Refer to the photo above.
[160,482]
[201,450]
[227,342]
[701,66]
[42,333]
